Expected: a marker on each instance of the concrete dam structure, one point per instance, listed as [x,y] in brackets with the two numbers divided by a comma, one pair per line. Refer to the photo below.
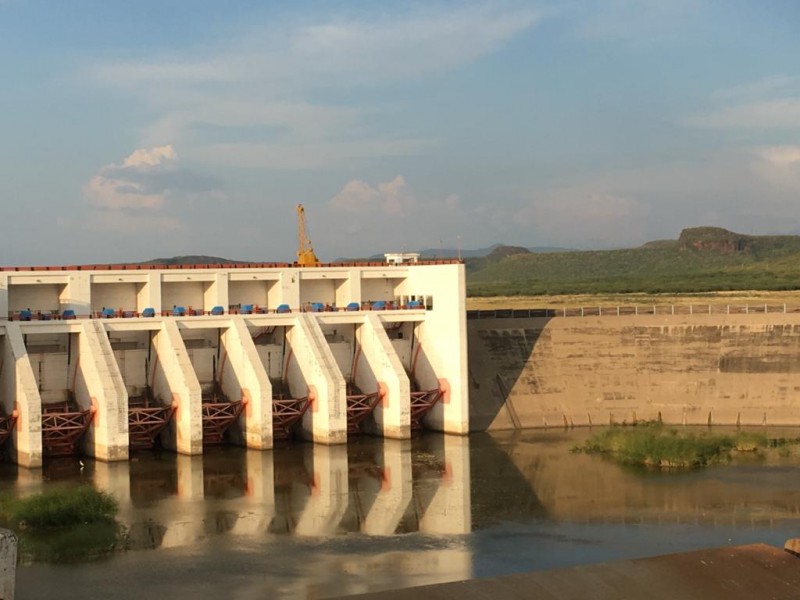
[99,360]
[694,369]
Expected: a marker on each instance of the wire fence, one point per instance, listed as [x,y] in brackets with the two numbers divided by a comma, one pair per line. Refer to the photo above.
[627,310]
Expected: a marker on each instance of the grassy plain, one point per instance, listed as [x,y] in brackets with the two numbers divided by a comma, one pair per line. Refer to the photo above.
[701,260]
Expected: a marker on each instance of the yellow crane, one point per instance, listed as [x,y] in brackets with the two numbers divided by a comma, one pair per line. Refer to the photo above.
[305,253]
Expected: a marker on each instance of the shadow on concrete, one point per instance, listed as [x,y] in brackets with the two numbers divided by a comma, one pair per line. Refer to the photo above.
[500,346]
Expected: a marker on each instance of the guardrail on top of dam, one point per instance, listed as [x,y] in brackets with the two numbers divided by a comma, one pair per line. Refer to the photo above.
[628,310]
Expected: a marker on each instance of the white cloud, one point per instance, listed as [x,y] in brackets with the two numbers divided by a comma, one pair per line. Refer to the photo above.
[584,217]
[767,114]
[392,197]
[104,192]
[778,166]
[635,21]
[124,185]
[755,90]
[274,82]
[387,216]
[780,155]
[305,155]
[151,157]
[142,191]
[750,190]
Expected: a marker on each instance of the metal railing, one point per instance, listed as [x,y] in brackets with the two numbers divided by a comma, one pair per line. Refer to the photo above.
[636,309]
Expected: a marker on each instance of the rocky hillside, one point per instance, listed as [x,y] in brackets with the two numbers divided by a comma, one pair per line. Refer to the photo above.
[701,259]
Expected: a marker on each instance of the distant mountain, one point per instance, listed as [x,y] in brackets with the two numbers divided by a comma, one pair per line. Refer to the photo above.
[199,259]
[430,253]
[701,259]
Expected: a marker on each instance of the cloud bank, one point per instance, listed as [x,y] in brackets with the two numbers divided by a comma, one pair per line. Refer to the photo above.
[271,99]
[144,191]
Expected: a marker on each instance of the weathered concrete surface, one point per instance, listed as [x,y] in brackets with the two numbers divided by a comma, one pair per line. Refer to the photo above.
[8,564]
[693,369]
[740,572]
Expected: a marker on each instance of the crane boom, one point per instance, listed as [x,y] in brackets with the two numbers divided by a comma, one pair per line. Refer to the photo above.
[305,253]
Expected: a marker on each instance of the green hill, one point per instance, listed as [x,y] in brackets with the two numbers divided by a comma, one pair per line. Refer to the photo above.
[702,259]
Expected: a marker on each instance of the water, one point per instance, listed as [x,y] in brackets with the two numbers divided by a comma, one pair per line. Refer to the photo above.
[309,521]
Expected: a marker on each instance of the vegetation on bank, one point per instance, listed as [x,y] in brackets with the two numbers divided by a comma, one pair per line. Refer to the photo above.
[63,525]
[701,260]
[656,445]
[59,508]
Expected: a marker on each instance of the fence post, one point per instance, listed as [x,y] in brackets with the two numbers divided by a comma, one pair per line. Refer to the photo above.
[691,309]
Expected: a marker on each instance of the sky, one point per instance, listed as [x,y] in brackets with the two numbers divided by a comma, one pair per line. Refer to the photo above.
[137,130]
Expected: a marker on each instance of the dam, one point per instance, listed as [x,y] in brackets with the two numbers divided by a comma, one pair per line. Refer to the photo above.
[707,365]
[102,360]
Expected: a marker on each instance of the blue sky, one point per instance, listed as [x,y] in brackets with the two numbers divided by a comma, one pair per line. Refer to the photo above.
[130,131]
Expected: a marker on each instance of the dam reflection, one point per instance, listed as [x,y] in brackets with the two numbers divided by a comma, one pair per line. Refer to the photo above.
[555,484]
[313,521]
[373,487]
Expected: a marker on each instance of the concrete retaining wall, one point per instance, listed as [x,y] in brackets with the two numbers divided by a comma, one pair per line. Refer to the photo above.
[693,369]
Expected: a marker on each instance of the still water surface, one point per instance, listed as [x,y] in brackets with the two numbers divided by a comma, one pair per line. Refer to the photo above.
[309,521]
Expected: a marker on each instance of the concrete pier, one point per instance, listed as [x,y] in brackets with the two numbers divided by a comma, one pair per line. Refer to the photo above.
[21,396]
[98,386]
[244,378]
[381,369]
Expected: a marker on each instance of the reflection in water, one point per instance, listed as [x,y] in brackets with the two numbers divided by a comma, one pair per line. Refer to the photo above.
[310,520]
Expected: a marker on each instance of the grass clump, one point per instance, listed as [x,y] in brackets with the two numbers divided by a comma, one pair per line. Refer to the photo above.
[64,525]
[71,544]
[655,445]
[60,508]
